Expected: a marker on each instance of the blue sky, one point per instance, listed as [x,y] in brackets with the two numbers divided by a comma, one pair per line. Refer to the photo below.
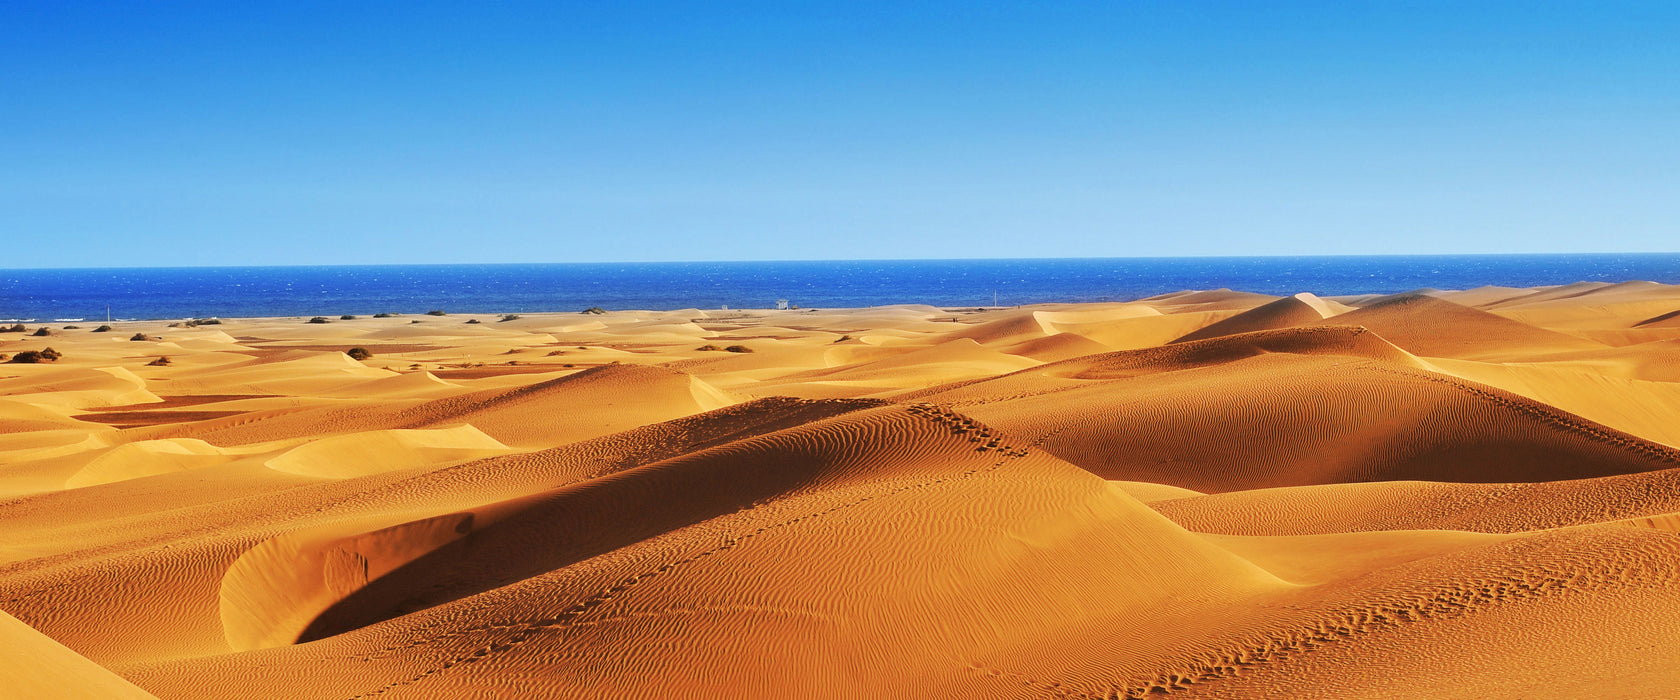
[215,133]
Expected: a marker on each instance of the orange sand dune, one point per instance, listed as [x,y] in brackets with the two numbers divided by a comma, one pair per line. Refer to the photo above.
[1299,310]
[1432,327]
[1206,494]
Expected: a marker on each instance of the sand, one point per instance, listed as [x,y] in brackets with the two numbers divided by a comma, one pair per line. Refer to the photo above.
[1206,494]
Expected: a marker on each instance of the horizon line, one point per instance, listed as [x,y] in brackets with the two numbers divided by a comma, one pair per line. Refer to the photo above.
[853,260]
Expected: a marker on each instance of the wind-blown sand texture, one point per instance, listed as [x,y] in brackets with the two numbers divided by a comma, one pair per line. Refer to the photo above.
[1211,494]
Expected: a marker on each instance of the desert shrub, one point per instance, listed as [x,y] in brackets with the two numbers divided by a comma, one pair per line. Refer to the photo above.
[207,322]
[319,319]
[161,361]
[738,348]
[139,337]
[509,317]
[347,317]
[382,315]
[594,310]
[14,328]
[72,328]
[358,353]
[102,329]
[436,312]
[709,348]
[42,332]
[568,365]
[4,357]
[552,353]
[27,357]
[50,353]
[472,320]
[415,321]
[843,339]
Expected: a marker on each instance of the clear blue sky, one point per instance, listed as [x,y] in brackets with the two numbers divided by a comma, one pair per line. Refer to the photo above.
[224,133]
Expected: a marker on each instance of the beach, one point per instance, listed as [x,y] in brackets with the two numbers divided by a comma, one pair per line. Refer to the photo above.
[1201,494]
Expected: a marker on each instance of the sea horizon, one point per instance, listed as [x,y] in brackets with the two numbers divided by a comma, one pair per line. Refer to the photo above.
[151,293]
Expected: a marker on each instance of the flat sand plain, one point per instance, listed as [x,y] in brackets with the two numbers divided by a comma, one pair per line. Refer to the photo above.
[1209,494]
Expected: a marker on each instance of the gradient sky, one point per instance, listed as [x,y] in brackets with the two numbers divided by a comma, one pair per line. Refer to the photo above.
[244,133]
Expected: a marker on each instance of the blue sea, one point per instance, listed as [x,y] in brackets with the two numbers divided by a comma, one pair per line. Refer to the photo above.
[199,292]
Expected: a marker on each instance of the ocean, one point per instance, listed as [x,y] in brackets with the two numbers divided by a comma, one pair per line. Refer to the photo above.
[201,292]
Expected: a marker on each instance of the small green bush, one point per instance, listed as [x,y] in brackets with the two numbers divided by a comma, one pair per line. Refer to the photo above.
[382,315]
[709,348]
[72,328]
[594,310]
[347,317]
[472,320]
[436,312]
[738,348]
[319,319]
[42,332]
[509,317]
[161,361]
[358,353]
[139,337]
[15,328]
[50,353]
[102,329]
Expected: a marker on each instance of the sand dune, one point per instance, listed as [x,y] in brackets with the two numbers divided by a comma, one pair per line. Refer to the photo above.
[1432,327]
[1206,494]
[1229,414]
[1299,310]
